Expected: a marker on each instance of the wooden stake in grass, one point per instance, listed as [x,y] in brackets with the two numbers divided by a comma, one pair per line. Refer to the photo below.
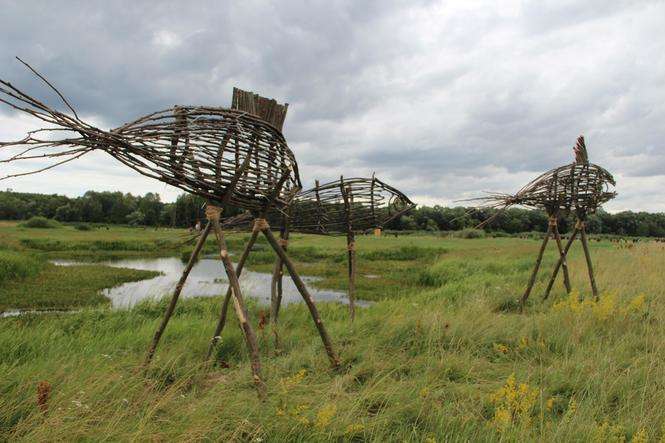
[227,297]
[43,394]
[562,259]
[304,292]
[212,213]
[564,263]
[276,287]
[534,273]
[587,255]
[347,195]
[176,293]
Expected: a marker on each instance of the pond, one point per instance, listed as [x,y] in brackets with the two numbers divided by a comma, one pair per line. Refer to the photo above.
[207,279]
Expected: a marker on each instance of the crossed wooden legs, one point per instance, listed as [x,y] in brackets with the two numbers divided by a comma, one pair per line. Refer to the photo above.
[234,291]
[260,225]
[553,230]
[276,285]
[580,228]
[213,214]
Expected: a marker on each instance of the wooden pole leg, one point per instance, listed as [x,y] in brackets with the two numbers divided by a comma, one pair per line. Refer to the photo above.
[534,273]
[176,293]
[307,297]
[564,262]
[347,195]
[587,254]
[562,258]
[227,297]
[276,290]
[351,248]
[213,213]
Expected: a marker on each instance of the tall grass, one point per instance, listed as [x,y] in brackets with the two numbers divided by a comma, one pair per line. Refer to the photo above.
[15,265]
[442,361]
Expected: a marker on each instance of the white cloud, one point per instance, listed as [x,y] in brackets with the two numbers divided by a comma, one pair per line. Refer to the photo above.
[443,99]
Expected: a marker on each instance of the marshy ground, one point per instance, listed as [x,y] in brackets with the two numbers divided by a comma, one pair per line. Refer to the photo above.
[442,353]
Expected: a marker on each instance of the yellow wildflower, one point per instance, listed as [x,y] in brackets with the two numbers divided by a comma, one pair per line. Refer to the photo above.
[424,392]
[296,379]
[640,436]
[325,415]
[501,348]
[636,304]
[355,428]
[550,404]
[514,402]
[605,307]
[502,418]
[606,432]
[572,408]
[299,409]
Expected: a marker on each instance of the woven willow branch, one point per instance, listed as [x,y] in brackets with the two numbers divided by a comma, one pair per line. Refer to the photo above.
[322,209]
[233,156]
[580,187]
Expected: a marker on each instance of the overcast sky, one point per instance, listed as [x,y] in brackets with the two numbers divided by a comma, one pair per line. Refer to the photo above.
[444,100]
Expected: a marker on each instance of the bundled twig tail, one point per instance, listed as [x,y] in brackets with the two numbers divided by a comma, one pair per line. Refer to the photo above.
[65,136]
[581,154]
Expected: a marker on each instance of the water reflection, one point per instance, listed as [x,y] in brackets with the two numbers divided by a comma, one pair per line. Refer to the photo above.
[206,279]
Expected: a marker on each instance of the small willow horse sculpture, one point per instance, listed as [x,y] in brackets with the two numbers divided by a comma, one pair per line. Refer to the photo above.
[232,156]
[579,188]
[345,206]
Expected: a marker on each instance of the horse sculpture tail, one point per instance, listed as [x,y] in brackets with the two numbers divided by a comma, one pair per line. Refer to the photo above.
[581,154]
[55,140]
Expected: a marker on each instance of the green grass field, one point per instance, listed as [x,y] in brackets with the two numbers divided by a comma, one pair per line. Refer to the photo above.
[441,355]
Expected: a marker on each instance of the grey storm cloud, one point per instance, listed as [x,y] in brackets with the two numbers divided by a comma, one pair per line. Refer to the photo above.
[443,99]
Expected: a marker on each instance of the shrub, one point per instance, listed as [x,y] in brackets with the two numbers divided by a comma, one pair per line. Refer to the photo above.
[470,233]
[40,222]
[82,227]
[14,265]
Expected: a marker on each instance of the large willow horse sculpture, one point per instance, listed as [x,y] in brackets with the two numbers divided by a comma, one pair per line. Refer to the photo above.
[234,156]
[579,188]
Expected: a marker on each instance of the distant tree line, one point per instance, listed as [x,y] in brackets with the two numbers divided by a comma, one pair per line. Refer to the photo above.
[105,207]
[149,210]
[515,220]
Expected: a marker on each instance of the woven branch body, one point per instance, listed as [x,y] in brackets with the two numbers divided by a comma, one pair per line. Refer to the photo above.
[322,209]
[578,188]
[372,204]
[231,156]
[207,151]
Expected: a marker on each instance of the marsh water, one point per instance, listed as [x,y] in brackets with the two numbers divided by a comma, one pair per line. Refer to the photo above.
[207,279]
